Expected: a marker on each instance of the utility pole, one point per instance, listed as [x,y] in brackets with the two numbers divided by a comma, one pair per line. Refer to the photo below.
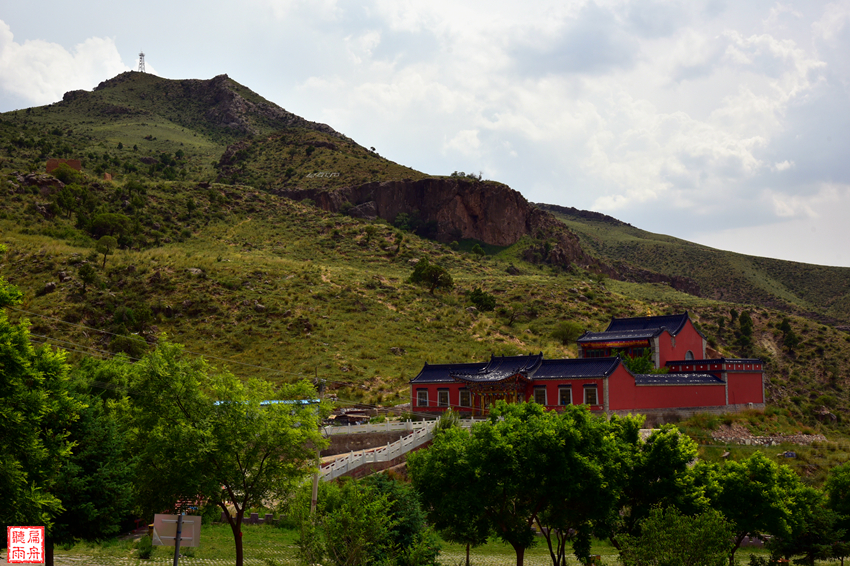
[177,538]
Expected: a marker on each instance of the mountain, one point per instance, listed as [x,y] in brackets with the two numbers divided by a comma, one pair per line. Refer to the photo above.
[282,248]
[816,291]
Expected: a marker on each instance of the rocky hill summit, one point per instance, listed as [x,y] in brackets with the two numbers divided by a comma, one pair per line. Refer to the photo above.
[218,103]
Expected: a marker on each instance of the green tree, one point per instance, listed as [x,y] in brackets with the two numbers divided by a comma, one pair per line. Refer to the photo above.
[790,341]
[106,245]
[205,435]
[477,250]
[670,538]
[369,232]
[512,312]
[67,174]
[431,275]
[411,542]
[88,275]
[483,300]
[110,224]
[36,415]
[95,483]
[643,364]
[442,475]
[352,526]
[648,474]
[68,198]
[523,464]
[754,495]
[814,529]
[837,490]
[567,332]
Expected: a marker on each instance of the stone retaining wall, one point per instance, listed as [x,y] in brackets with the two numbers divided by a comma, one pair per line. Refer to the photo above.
[658,417]
[345,443]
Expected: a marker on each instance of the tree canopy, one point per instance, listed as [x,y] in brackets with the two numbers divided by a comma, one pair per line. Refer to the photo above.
[525,465]
[754,495]
[36,414]
[206,435]
[431,275]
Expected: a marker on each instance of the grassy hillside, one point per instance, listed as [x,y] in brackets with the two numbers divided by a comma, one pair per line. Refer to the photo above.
[283,290]
[819,291]
[307,159]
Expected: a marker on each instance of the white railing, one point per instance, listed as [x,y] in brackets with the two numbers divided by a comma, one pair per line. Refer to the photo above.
[389,426]
[422,432]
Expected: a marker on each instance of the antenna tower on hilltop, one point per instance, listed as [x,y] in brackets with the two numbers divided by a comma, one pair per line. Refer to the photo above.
[141,62]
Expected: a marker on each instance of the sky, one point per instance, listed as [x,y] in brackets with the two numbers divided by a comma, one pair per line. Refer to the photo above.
[725,123]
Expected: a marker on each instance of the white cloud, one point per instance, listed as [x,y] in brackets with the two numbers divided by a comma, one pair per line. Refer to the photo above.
[836,17]
[805,232]
[465,142]
[322,9]
[40,72]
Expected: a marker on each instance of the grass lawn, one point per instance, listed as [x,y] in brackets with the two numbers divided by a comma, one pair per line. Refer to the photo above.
[263,545]
[271,546]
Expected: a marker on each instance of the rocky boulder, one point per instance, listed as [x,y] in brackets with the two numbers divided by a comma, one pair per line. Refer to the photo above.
[41,181]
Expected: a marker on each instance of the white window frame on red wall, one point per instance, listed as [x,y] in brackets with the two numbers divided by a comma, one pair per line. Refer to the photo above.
[545,400]
[595,394]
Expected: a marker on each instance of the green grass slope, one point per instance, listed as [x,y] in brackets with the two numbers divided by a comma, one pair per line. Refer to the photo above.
[306,159]
[795,287]
[279,289]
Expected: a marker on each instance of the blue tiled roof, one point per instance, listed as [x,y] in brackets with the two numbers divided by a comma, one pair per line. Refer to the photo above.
[576,368]
[677,379]
[621,336]
[716,361]
[434,373]
[637,328]
[673,323]
[502,367]
[532,367]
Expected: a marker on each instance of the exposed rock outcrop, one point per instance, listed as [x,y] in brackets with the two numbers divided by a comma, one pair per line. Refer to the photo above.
[490,212]
[40,180]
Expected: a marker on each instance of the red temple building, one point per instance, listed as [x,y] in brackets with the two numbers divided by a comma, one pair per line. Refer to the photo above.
[598,378]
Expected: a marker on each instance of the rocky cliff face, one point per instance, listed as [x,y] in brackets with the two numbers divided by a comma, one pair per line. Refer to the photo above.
[490,212]
[226,107]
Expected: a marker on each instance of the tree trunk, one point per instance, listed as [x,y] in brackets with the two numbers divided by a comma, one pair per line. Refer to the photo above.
[236,527]
[467,556]
[520,554]
[735,548]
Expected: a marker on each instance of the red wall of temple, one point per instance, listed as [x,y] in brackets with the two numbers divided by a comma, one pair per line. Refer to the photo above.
[577,388]
[53,163]
[625,394]
[688,339]
[576,385]
[433,388]
[745,388]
